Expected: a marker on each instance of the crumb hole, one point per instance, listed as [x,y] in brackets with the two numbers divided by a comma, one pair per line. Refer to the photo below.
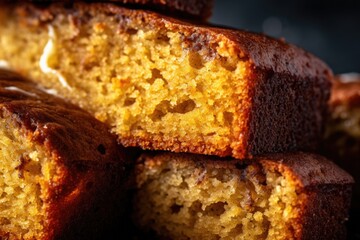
[160,110]
[200,87]
[184,185]
[195,208]
[175,208]
[215,209]
[165,170]
[236,231]
[195,60]
[157,115]
[101,149]
[164,39]
[184,107]
[164,107]
[139,128]
[113,74]
[227,64]
[88,63]
[228,117]
[217,237]
[131,31]
[155,74]
[4,221]
[129,102]
[211,134]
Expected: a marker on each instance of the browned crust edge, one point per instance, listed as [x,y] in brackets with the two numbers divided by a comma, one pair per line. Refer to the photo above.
[191,9]
[90,186]
[324,189]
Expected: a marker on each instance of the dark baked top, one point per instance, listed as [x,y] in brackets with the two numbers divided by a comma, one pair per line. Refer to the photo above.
[306,168]
[193,9]
[263,51]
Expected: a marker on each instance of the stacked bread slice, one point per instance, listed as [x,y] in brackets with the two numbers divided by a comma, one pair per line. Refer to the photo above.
[62,171]
[342,136]
[166,84]
[278,196]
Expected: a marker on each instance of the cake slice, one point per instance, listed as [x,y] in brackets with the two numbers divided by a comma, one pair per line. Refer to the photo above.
[169,85]
[280,196]
[342,136]
[194,9]
[62,173]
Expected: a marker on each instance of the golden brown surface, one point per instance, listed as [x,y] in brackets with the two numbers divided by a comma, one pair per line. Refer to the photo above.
[63,173]
[280,196]
[165,84]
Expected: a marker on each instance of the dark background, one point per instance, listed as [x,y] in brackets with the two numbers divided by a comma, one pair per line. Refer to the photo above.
[329,29]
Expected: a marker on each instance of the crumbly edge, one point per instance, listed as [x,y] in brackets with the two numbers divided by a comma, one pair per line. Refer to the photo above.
[26,172]
[186,201]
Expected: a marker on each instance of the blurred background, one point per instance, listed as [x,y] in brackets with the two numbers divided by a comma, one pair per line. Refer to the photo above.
[330,29]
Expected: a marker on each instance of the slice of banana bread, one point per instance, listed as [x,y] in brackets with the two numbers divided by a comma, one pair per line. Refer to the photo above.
[62,173]
[170,85]
[281,196]
[342,136]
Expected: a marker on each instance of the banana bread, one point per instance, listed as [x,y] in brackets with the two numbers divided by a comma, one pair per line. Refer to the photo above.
[342,137]
[280,196]
[164,84]
[62,173]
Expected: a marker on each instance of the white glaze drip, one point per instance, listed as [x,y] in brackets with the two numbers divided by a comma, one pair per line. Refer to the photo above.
[48,51]
[48,90]
[4,64]
[16,89]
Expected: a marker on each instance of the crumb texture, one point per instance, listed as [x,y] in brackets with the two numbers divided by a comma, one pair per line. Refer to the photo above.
[188,201]
[63,173]
[163,84]
[137,77]
[22,169]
